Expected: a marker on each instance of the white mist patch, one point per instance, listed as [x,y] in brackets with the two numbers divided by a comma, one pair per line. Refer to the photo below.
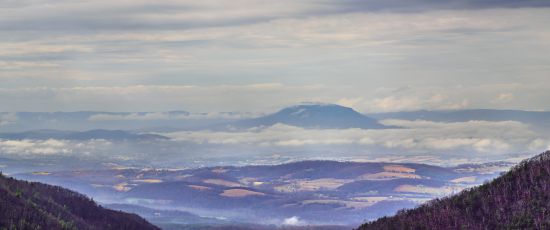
[40,147]
[293,221]
[486,137]
[56,147]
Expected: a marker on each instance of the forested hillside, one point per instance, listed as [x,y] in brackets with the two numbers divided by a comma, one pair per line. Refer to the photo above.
[519,199]
[32,205]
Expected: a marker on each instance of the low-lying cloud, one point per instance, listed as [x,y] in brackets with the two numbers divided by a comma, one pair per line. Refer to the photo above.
[481,136]
[29,147]
[416,141]
[51,147]
[293,221]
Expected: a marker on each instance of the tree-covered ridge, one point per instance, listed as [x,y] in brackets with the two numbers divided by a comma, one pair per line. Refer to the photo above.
[519,199]
[32,205]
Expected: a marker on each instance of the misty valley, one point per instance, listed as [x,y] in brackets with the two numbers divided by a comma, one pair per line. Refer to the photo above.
[274,181]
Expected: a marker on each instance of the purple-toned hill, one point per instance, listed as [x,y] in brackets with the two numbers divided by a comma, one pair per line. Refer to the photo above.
[32,205]
[519,199]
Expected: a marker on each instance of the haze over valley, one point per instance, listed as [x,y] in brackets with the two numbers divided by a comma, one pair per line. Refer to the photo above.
[308,164]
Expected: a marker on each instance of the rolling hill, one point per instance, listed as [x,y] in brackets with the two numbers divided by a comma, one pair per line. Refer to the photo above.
[32,205]
[314,192]
[519,199]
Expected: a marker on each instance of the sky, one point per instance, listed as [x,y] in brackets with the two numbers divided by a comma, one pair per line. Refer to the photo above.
[258,56]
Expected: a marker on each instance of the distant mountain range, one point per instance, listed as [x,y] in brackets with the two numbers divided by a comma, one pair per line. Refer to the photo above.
[519,199]
[304,115]
[25,205]
[324,116]
[113,135]
[311,116]
[87,120]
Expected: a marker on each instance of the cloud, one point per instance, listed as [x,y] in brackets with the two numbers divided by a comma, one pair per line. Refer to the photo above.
[93,150]
[59,53]
[142,15]
[503,98]
[539,145]
[427,5]
[293,221]
[53,147]
[25,48]
[455,98]
[31,147]
[418,141]
[424,136]
[22,65]
[434,102]
[349,102]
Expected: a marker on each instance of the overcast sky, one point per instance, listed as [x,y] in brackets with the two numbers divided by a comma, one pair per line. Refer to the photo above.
[255,55]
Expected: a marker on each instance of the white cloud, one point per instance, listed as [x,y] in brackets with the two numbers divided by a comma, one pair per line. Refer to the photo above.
[349,102]
[30,147]
[476,136]
[24,48]
[18,65]
[503,98]
[407,103]
[418,141]
[26,147]
[539,145]
[293,221]
[197,47]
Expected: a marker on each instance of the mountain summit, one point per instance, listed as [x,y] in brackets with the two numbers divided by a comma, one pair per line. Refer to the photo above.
[326,116]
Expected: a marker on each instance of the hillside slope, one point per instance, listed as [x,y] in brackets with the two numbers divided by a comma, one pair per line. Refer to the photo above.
[32,205]
[519,199]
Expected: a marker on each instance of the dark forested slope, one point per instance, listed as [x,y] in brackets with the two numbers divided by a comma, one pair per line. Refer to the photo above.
[32,205]
[519,199]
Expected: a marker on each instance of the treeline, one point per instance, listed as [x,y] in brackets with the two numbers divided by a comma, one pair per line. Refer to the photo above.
[32,205]
[519,199]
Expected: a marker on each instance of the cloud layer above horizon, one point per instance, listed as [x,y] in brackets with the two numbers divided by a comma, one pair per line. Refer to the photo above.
[440,143]
[213,56]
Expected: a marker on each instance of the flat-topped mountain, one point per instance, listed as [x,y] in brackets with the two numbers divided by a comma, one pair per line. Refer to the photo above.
[315,116]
